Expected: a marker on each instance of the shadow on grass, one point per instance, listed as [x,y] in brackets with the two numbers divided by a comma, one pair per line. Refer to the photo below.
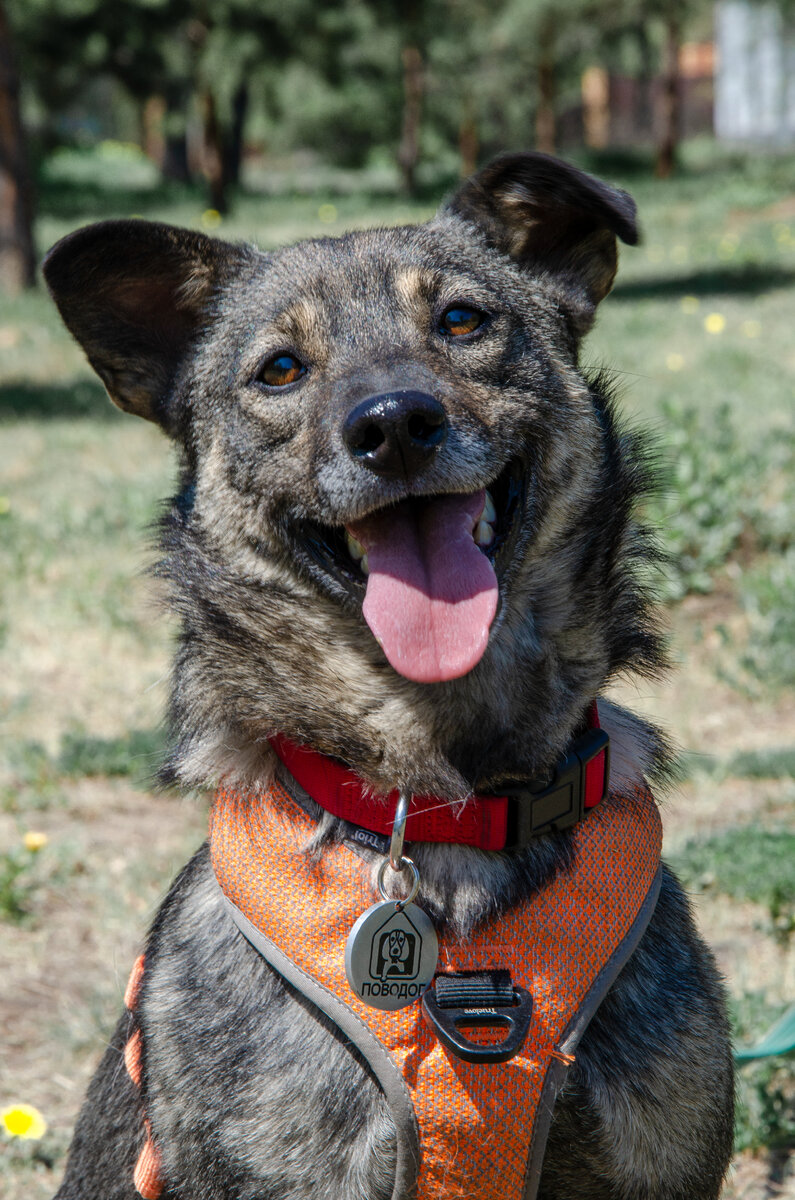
[750,279]
[42,401]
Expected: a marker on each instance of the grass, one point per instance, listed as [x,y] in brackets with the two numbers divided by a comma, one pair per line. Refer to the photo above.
[775,762]
[698,335]
[747,864]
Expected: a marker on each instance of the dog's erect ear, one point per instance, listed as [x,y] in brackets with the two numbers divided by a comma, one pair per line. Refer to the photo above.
[551,216]
[135,294]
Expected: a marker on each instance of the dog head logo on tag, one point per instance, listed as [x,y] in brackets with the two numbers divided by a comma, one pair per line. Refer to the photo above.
[391,955]
[396,950]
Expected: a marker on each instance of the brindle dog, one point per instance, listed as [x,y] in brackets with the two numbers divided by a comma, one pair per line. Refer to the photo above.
[339,392]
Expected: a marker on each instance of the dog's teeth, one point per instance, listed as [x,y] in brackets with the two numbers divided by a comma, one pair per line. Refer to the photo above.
[364,566]
[355,549]
[484,534]
[489,511]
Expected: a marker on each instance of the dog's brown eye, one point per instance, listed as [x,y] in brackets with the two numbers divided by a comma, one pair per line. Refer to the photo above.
[281,370]
[460,320]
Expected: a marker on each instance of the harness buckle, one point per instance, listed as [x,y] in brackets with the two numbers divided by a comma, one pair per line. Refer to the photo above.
[561,803]
[478,1007]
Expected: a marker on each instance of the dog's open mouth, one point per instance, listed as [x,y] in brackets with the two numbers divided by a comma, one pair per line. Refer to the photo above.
[428,568]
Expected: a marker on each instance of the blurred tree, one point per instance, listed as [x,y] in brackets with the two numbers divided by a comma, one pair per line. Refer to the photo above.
[65,45]
[553,39]
[672,13]
[414,22]
[17,255]
[188,55]
[353,79]
[464,69]
[342,94]
[659,30]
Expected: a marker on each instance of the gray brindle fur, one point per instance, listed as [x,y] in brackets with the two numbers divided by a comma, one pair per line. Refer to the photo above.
[251,1095]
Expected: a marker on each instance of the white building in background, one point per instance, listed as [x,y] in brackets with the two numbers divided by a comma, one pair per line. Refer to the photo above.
[755,76]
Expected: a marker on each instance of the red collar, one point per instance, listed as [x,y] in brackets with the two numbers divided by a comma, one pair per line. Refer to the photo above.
[503,822]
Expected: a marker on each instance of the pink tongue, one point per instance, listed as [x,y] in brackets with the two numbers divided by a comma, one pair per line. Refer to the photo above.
[431,594]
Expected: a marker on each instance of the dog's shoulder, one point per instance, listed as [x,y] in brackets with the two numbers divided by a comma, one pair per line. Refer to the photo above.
[233,1041]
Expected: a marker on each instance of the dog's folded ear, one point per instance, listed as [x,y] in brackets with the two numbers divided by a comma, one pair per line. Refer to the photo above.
[136,294]
[552,218]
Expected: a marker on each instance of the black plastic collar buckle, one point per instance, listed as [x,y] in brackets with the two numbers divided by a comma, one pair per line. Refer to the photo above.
[561,803]
[465,1005]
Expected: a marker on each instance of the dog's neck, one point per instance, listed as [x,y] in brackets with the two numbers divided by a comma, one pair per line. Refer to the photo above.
[460,884]
[535,806]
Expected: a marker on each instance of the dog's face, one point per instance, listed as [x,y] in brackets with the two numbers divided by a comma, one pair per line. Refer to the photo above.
[403,527]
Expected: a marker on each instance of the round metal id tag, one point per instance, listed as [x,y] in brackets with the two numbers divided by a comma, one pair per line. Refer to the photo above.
[391,952]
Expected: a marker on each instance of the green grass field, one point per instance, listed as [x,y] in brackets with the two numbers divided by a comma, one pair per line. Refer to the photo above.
[697,334]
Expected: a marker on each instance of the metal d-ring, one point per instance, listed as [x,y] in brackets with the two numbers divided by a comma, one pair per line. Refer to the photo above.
[415,882]
[399,832]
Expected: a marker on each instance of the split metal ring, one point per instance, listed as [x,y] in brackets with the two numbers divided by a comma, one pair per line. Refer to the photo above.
[415,882]
[396,859]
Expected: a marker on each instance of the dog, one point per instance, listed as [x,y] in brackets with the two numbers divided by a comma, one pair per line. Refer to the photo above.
[345,411]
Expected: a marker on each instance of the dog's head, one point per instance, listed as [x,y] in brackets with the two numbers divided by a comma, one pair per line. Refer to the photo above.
[403,532]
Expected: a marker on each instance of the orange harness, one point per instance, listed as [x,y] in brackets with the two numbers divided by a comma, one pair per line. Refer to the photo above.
[465,1131]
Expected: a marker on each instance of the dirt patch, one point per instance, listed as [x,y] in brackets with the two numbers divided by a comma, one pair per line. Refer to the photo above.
[764,1176]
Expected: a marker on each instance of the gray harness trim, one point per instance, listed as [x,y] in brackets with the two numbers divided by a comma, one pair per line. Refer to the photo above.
[380,1060]
[557,1072]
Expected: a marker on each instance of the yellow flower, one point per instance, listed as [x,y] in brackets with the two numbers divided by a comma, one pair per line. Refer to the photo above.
[34,840]
[715,323]
[211,218]
[674,362]
[23,1121]
[690,304]
[327,213]
[751,329]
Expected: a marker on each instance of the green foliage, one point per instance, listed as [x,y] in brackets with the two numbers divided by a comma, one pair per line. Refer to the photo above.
[137,755]
[35,780]
[21,876]
[765,1114]
[747,864]
[721,500]
[774,762]
[14,887]
[768,596]
[107,166]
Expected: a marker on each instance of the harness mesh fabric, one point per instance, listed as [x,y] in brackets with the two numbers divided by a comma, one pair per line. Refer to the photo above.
[476,1121]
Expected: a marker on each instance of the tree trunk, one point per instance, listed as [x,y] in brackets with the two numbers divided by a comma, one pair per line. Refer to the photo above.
[175,165]
[215,159]
[670,104]
[234,148]
[468,141]
[175,158]
[17,253]
[645,82]
[595,92]
[546,125]
[152,139]
[413,84]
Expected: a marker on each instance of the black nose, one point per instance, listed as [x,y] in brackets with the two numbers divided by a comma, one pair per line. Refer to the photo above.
[395,434]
